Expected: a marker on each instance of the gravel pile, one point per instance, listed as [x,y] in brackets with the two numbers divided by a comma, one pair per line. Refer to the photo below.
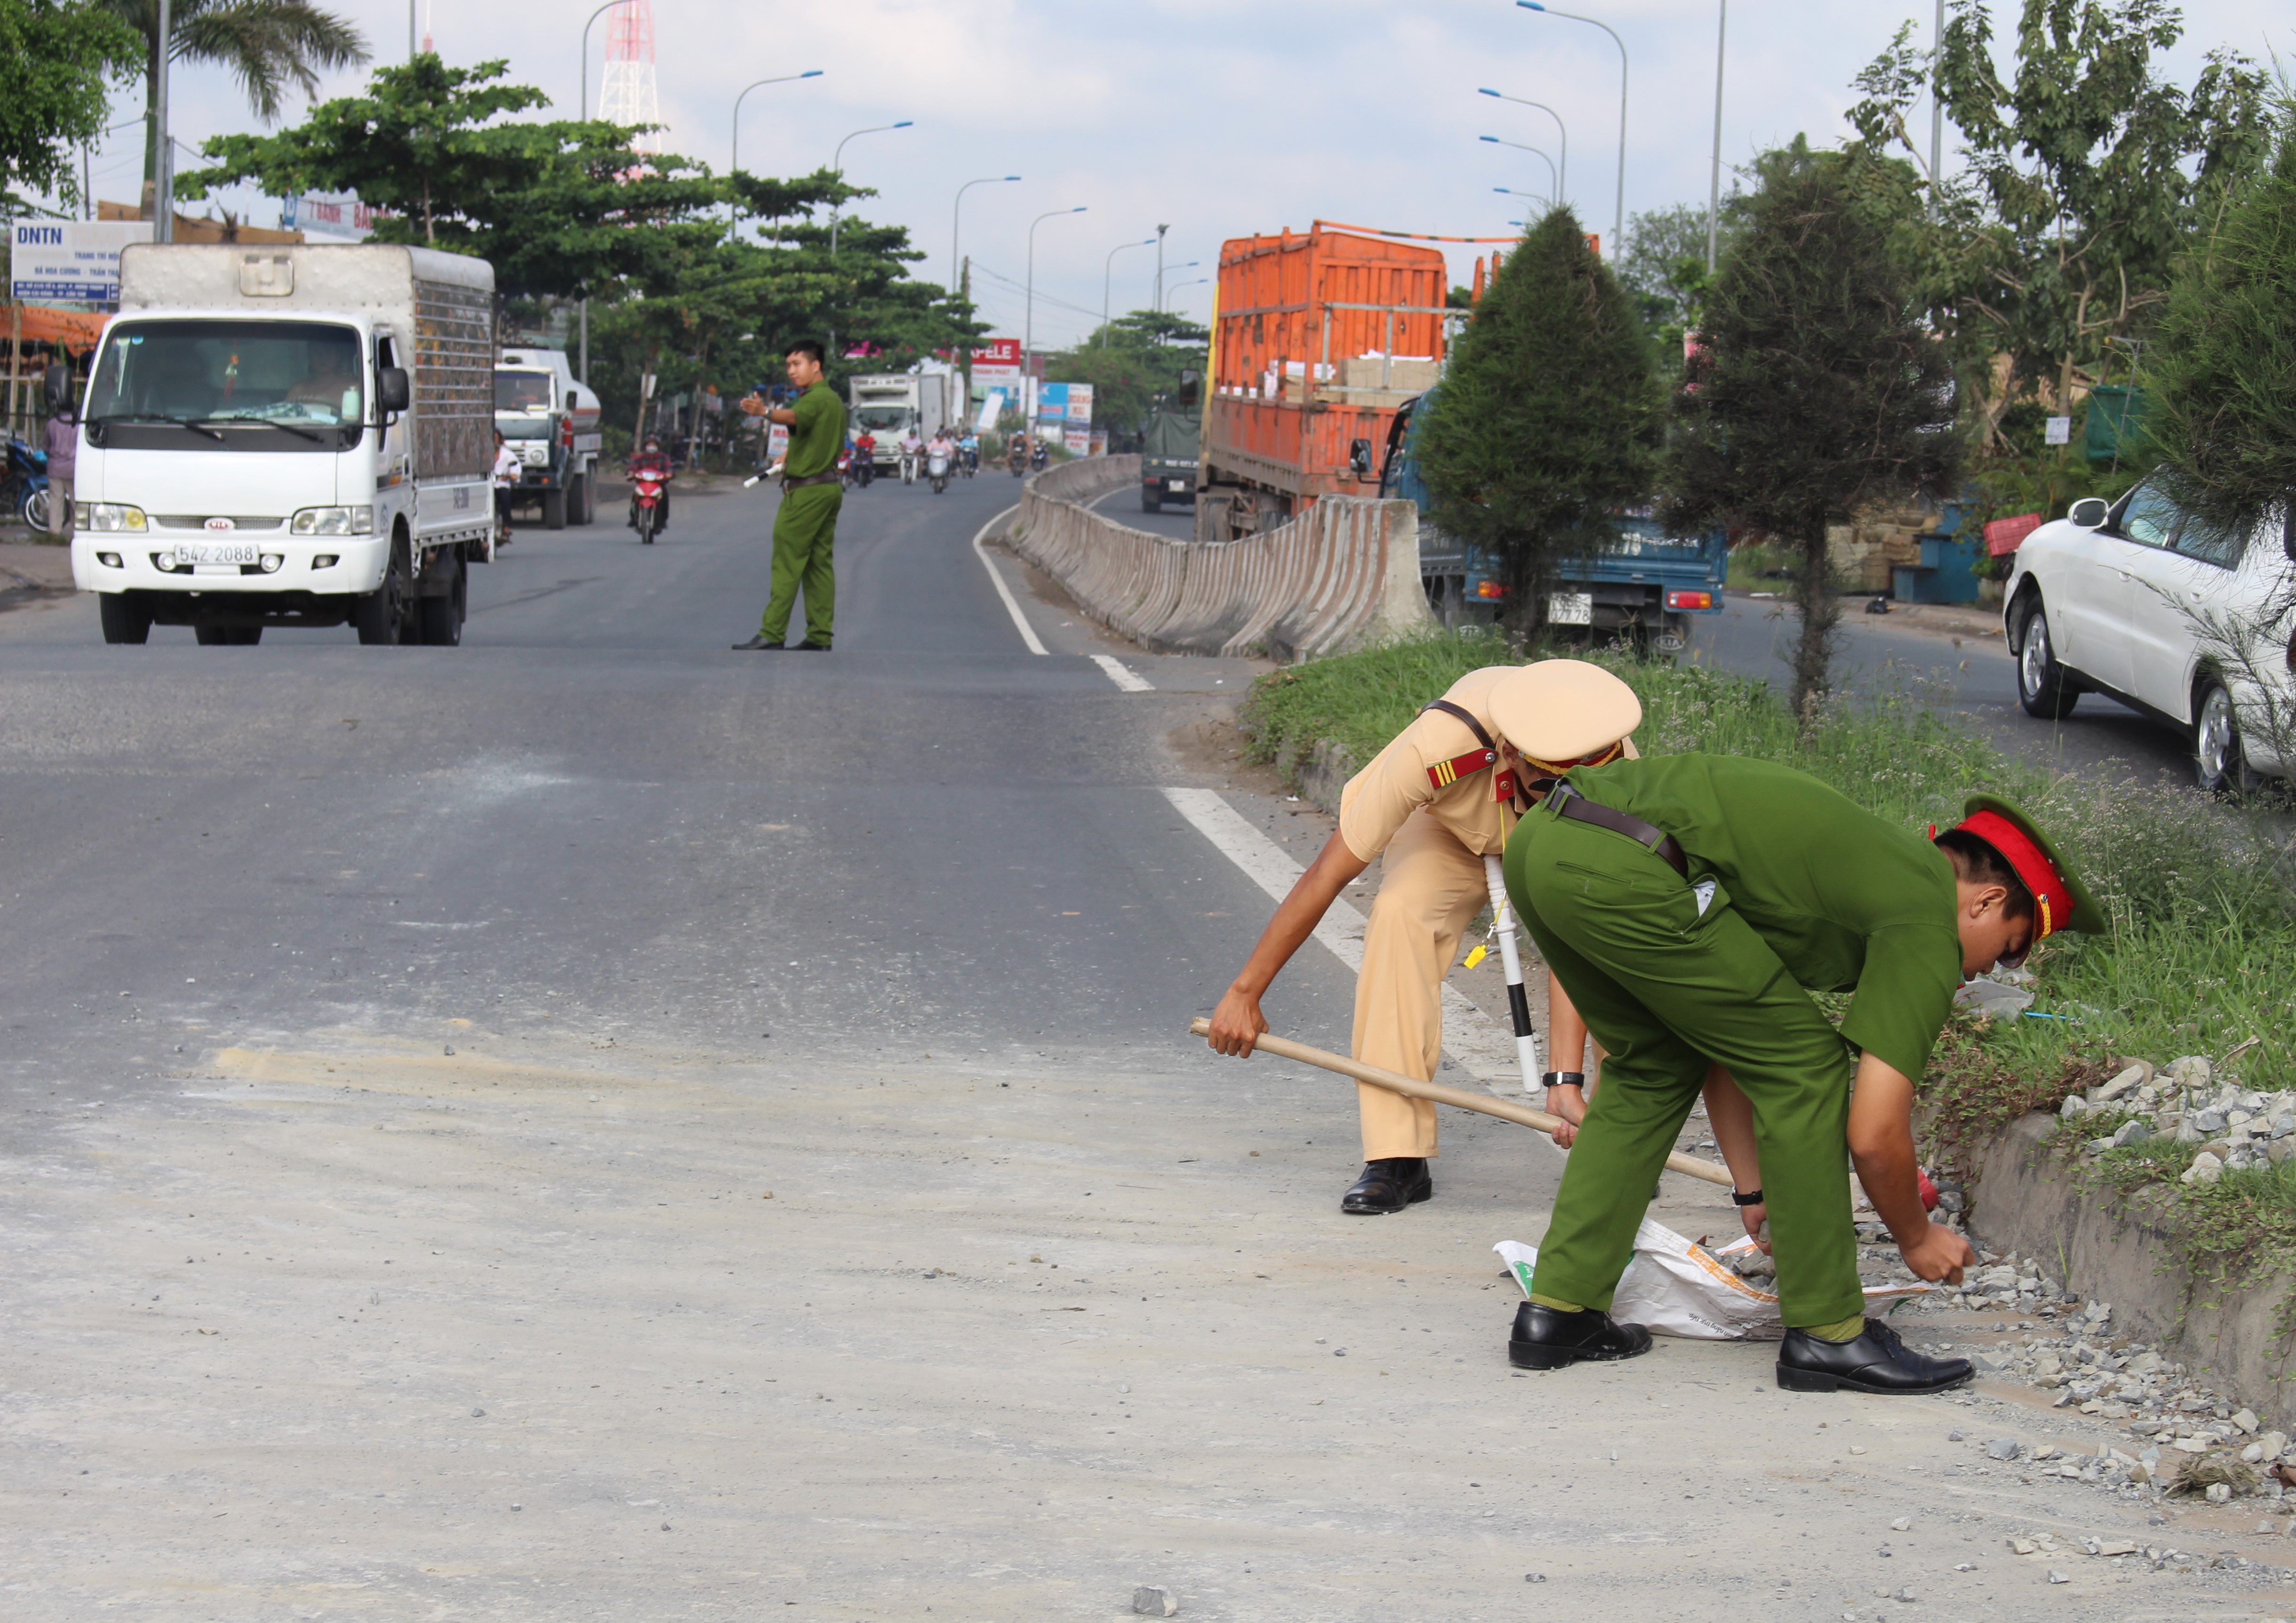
[2227,1126]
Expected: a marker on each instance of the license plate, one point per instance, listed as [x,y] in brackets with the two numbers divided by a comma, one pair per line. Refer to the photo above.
[215,551]
[1571,608]
[1179,484]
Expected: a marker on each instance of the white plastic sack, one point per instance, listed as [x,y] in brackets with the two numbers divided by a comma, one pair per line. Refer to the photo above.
[1676,1287]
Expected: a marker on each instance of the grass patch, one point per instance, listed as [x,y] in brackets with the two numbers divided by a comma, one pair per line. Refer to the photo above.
[2201,897]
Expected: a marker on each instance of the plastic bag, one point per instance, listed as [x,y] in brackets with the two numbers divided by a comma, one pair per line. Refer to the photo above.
[1676,1287]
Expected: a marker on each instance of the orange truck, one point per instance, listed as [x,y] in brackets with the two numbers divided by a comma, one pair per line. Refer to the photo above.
[1318,337]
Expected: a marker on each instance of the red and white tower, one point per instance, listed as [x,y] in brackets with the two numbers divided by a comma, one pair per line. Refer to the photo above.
[630,95]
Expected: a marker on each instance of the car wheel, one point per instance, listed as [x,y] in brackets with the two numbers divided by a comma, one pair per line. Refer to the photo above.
[380,616]
[127,618]
[2043,686]
[2219,762]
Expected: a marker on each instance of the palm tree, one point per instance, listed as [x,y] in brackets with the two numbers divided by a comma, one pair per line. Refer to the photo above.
[268,44]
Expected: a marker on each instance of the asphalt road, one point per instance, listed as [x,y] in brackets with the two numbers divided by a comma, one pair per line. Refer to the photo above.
[1953,669]
[1123,506]
[590,1123]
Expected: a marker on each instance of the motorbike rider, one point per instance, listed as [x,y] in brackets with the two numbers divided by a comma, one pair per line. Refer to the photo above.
[864,456]
[652,461]
[968,449]
[912,452]
[1038,454]
[507,474]
[1016,453]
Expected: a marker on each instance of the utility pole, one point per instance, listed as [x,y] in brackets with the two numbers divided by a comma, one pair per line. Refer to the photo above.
[163,160]
[1160,230]
[1714,196]
[1937,110]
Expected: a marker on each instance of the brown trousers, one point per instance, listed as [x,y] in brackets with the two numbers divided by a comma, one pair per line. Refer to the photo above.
[1431,888]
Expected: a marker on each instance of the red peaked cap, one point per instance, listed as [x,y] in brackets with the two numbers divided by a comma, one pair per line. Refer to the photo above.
[2058,899]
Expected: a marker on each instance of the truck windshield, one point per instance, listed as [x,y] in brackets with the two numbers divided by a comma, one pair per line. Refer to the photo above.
[287,374]
[877,417]
[522,391]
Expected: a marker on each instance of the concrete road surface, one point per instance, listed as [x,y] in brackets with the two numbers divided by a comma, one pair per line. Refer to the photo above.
[589,1124]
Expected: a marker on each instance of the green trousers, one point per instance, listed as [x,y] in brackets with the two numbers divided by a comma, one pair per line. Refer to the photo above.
[805,546]
[1666,988]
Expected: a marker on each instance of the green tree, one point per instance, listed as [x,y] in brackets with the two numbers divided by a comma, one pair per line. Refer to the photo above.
[1547,421]
[1817,390]
[56,63]
[267,45]
[2222,366]
[1133,363]
[2085,176]
[560,208]
[1662,263]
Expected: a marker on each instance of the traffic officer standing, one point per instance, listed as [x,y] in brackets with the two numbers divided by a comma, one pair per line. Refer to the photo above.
[1441,796]
[804,529]
[1686,902]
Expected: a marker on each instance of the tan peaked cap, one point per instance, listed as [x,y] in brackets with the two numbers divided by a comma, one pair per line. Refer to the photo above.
[1560,709]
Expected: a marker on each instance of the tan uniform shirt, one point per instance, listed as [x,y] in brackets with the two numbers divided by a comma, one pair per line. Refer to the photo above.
[1377,800]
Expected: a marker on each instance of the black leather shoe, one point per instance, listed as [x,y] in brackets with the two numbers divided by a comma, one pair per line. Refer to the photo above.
[1877,1361]
[810,646]
[1388,1186]
[759,643]
[1547,1338]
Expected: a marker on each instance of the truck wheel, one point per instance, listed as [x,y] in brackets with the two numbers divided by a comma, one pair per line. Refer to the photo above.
[1151,499]
[2043,687]
[440,618]
[127,618]
[580,507]
[553,509]
[380,615]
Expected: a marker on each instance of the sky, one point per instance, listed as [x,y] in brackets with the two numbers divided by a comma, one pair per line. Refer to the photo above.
[1216,117]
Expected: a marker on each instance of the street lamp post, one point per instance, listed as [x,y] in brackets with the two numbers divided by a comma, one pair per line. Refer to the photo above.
[1714,196]
[1197,282]
[163,155]
[1554,175]
[735,166]
[1937,110]
[1107,267]
[957,214]
[1563,185]
[1029,322]
[1529,197]
[837,168]
[1619,215]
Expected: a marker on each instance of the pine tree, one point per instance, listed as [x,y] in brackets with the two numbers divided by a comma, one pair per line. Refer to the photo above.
[1817,389]
[1549,417]
[2220,371]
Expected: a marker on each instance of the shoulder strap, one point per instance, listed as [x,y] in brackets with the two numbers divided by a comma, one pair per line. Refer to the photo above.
[1474,727]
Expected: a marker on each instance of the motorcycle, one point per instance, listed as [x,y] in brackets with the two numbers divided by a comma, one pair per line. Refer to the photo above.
[647,483]
[908,466]
[845,469]
[865,466]
[937,470]
[24,484]
[968,458]
[1016,458]
[1039,457]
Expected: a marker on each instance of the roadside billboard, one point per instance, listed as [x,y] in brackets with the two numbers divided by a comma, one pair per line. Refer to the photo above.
[328,216]
[996,362]
[70,262]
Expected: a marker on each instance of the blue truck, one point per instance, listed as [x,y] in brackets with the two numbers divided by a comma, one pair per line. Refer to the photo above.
[1645,588]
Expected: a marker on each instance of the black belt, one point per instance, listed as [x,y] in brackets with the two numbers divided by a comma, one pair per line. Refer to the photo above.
[1568,802]
[828,476]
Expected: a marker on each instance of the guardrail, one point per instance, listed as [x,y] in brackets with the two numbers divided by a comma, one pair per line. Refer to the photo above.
[1343,573]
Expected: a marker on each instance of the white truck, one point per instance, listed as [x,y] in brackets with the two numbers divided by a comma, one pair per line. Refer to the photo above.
[299,435]
[889,405]
[552,422]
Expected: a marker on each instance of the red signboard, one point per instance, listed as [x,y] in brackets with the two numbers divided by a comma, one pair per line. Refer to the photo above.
[2003,535]
[997,352]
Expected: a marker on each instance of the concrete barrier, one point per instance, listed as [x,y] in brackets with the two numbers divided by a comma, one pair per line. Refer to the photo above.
[1342,575]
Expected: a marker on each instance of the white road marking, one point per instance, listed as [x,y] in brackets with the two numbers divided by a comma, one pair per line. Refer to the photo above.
[1012,604]
[1471,1040]
[1131,681]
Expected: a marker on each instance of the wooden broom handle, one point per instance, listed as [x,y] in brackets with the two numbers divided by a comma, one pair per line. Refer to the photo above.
[1522,1115]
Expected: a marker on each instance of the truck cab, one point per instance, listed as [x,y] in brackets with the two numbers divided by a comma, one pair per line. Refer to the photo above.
[550,421]
[1645,587]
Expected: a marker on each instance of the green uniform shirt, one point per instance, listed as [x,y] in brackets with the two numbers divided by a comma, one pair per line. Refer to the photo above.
[1846,900]
[817,435]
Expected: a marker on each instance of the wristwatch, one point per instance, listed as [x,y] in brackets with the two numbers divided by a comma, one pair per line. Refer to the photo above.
[1563,1079]
[1754,1199]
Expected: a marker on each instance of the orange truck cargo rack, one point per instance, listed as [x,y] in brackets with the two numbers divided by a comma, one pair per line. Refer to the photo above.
[1317,337]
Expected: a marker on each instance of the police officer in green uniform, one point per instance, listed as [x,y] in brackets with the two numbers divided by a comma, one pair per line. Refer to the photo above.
[804,529]
[1689,904]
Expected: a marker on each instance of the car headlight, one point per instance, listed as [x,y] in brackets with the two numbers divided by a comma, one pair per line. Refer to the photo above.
[332,521]
[114,516]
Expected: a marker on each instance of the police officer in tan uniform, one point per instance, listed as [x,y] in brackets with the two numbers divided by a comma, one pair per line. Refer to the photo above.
[1442,796]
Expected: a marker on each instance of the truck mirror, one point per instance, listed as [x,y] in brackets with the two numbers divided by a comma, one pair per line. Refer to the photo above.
[392,392]
[1191,388]
[1359,457]
[2088,512]
[573,400]
[55,389]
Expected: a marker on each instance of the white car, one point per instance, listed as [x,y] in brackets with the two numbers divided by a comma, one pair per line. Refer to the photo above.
[2135,601]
